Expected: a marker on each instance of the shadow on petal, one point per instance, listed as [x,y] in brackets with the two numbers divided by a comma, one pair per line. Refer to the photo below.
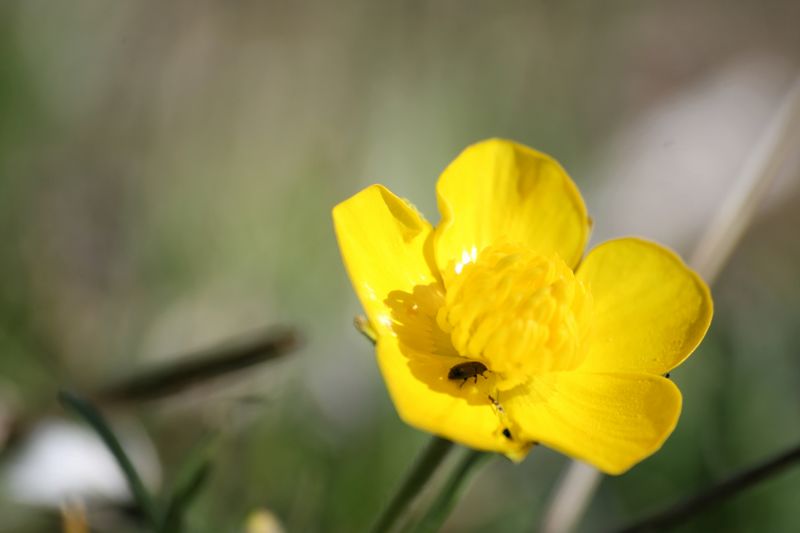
[427,349]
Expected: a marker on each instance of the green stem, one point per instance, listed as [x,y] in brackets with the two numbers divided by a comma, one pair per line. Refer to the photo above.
[451,491]
[93,417]
[420,473]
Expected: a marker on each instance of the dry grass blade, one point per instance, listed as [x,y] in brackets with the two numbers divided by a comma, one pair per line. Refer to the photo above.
[202,366]
[681,511]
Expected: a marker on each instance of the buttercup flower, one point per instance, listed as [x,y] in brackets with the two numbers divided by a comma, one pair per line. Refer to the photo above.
[491,331]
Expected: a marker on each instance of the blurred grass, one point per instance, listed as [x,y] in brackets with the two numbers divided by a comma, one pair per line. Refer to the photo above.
[166,178]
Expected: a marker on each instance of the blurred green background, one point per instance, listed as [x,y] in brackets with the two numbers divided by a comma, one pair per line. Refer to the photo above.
[167,171]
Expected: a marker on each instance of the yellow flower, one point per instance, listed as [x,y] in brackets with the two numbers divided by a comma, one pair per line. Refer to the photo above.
[492,332]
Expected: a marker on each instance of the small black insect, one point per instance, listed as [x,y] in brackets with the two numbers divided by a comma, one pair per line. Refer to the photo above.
[507,433]
[465,371]
[666,375]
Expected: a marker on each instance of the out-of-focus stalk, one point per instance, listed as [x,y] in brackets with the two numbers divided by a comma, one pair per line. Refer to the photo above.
[759,172]
[681,511]
[451,491]
[577,486]
[427,463]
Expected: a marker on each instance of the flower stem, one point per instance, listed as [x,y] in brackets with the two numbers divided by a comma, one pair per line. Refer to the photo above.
[451,492]
[745,479]
[420,473]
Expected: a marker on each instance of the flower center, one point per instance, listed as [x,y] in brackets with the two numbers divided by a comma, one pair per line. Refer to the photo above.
[517,312]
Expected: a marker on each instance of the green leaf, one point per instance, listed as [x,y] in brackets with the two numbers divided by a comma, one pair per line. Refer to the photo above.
[95,419]
[191,478]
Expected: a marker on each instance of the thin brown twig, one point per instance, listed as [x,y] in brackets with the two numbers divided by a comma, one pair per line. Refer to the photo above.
[683,510]
[195,368]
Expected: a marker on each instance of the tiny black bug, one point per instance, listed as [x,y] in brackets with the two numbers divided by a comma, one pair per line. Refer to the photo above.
[464,371]
[507,433]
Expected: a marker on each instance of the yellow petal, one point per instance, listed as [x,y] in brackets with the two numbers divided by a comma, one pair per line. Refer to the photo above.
[611,421]
[497,191]
[382,240]
[650,310]
[426,399]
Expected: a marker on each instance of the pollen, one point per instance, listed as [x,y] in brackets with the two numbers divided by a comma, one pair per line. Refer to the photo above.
[518,312]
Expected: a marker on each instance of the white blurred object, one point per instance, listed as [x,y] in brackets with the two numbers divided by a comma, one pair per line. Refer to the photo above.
[61,460]
[664,176]
[345,393]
